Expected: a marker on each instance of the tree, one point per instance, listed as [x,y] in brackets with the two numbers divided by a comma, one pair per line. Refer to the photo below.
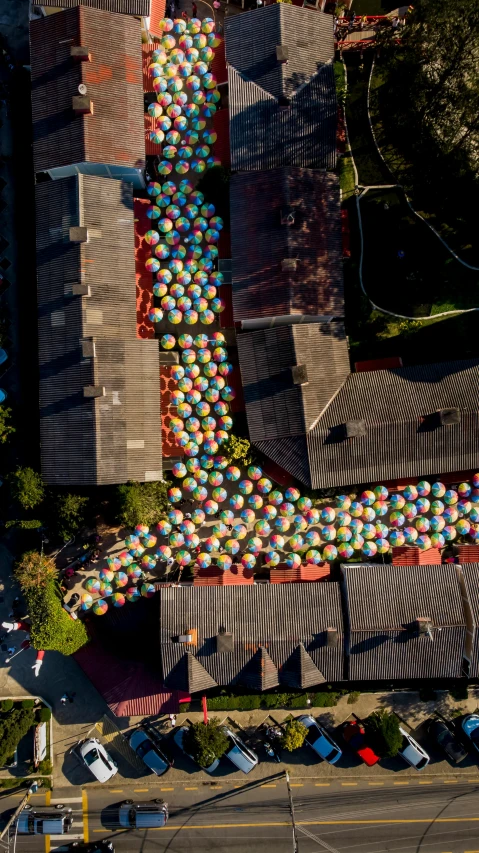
[52,628]
[141,502]
[34,570]
[69,514]
[6,427]
[207,742]
[384,737]
[13,726]
[294,735]
[238,450]
[27,487]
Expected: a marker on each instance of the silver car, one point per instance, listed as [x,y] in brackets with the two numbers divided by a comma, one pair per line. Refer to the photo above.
[412,751]
[239,754]
[47,821]
[149,752]
[143,815]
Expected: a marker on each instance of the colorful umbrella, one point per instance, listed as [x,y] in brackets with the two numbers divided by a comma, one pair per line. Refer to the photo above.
[397,519]
[463,527]
[330,553]
[382,546]
[210,507]
[424,542]
[286,509]
[313,538]
[437,523]
[396,537]
[464,490]
[438,490]
[422,524]
[262,528]
[356,542]
[237,501]
[370,549]
[118,599]
[148,562]
[269,512]
[380,507]
[224,561]
[271,558]
[328,514]
[356,524]
[248,515]
[450,497]
[410,510]
[356,509]
[293,561]
[450,515]
[232,546]
[369,531]
[121,579]
[106,575]
[232,472]
[397,501]
[464,507]
[410,535]
[296,542]
[211,544]
[200,494]
[328,533]
[254,545]
[368,514]
[132,593]
[248,561]
[86,601]
[303,503]
[437,507]
[275,498]
[203,560]
[344,534]
[245,487]
[183,558]
[345,551]
[423,488]
[100,607]
[368,498]
[219,494]
[343,502]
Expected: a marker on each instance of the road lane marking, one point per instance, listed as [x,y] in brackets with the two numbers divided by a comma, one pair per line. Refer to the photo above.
[296,785]
[375,783]
[167,789]
[450,781]
[322,784]
[84,797]
[48,798]
[400,783]
[191,789]
[267,786]
[423,782]
[170,827]
[140,790]
[348,784]
[56,800]
[116,790]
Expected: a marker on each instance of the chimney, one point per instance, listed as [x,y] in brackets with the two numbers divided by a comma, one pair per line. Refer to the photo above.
[81,289]
[289,264]
[88,349]
[78,234]
[354,429]
[299,374]
[90,391]
[332,638]
[424,625]
[187,639]
[82,105]
[282,53]
[80,54]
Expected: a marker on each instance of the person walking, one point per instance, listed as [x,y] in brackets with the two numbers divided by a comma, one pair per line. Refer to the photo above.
[64,699]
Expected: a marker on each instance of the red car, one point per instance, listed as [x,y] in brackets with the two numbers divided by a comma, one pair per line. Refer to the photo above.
[355,736]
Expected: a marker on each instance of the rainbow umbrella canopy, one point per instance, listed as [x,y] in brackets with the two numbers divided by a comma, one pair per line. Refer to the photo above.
[100,607]
[147,590]
[92,584]
[132,593]
[86,601]
[118,599]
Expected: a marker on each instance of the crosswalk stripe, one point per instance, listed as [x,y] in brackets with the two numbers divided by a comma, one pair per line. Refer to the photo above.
[72,836]
[56,800]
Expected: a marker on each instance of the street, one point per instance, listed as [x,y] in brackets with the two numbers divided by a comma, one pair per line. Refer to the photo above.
[416,816]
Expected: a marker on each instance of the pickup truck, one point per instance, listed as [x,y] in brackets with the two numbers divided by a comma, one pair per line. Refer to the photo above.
[355,736]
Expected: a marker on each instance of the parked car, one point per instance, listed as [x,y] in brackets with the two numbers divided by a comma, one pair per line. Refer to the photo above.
[319,740]
[444,738]
[143,815]
[178,738]
[149,752]
[239,754]
[412,751]
[97,759]
[47,821]
[470,727]
[354,735]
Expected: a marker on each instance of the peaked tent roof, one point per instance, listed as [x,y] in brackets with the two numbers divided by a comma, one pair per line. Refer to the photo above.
[265,132]
[190,674]
[260,672]
[260,243]
[300,671]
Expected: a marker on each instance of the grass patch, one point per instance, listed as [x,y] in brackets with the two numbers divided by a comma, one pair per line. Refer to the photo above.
[427,280]
[346,176]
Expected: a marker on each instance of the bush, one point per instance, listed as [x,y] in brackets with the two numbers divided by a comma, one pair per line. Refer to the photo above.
[6,426]
[28,704]
[275,700]
[294,735]
[44,715]
[205,743]
[353,697]
[141,503]
[238,450]
[69,513]
[34,571]
[298,701]
[6,705]
[459,692]
[45,766]
[324,700]
[27,487]
[12,728]
[382,728]
[52,627]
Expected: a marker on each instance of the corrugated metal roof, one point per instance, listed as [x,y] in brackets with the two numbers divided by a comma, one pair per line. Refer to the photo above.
[383,603]
[260,243]
[470,573]
[275,617]
[114,133]
[276,406]
[300,671]
[123,7]
[90,339]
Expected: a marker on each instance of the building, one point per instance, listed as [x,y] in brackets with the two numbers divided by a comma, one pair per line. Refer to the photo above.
[290,220]
[258,636]
[470,573]
[403,622]
[100,417]
[282,96]
[87,94]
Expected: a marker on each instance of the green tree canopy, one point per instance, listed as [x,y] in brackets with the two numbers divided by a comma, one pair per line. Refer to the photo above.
[69,514]
[238,450]
[384,737]
[52,628]
[206,742]
[34,570]
[13,726]
[141,503]
[294,734]
[6,427]
[27,487]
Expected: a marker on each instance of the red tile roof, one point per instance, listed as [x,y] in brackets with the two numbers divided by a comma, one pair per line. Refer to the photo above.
[407,555]
[144,280]
[468,553]
[168,411]
[389,363]
[214,576]
[301,574]
[156,14]
[218,66]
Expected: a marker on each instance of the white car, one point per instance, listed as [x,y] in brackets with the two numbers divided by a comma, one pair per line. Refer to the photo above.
[319,740]
[412,752]
[97,759]
[239,754]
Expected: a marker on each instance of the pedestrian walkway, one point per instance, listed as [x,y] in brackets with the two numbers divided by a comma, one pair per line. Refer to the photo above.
[112,736]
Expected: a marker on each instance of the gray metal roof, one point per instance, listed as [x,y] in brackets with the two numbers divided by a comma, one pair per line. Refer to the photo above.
[87,339]
[264,135]
[276,406]
[267,622]
[260,243]
[383,603]
[124,7]
[470,573]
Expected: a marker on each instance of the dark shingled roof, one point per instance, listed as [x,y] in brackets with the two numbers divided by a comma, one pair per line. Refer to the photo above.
[383,603]
[87,339]
[263,135]
[124,7]
[267,622]
[471,577]
[299,670]
[276,405]
[260,243]
[396,417]
[114,134]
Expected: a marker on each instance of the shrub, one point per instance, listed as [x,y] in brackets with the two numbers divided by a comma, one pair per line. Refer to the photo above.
[324,700]
[6,705]
[275,700]
[45,766]
[34,571]
[52,627]
[459,691]
[298,701]
[12,728]
[69,514]
[353,697]
[294,735]
[27,487]
[141,502]
[207,742]
[6,426]
[383,733]
[238,450]
[28,704]
[248,703]
[44,715]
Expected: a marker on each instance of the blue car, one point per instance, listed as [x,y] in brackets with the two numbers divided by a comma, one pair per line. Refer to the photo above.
[470,727]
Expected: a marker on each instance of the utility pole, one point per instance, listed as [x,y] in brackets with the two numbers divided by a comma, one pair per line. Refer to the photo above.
[32,790]
[291,809]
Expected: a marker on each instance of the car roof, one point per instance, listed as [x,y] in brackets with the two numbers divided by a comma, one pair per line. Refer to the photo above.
[138,736]
[239,759]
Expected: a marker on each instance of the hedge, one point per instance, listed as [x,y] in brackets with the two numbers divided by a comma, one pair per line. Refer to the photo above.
[52,627]
[13,726]
[255,701]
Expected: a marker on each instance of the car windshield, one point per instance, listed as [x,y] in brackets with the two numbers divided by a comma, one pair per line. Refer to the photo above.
[421,763]
[313,735]
[475,734]
[143,749]
[331,755]
[92,756]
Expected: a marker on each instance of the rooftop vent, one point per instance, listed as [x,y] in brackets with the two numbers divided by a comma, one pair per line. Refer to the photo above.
[424,625]
[449,416]
[81,289]
[185,638]
[282,53]
[299,374]
[78,234]
[354,429]
[82,105]
[224,641]
[80,54]
[88,348]
[287,216]
[289,265]
[284,102]
[94,391]
[332,637]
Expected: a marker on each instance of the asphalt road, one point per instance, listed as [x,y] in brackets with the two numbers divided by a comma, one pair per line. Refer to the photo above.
[419,817]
